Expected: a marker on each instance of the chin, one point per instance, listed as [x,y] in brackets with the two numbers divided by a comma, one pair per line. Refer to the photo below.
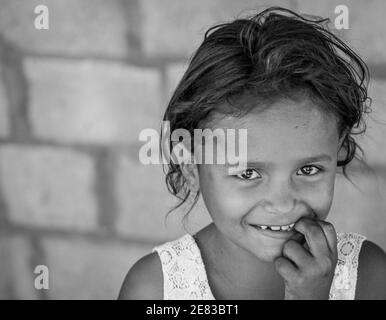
[270,256]
[268,253]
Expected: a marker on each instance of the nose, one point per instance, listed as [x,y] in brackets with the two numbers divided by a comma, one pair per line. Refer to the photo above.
[279,198]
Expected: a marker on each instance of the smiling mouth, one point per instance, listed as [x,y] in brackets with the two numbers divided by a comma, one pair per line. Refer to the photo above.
[288,227]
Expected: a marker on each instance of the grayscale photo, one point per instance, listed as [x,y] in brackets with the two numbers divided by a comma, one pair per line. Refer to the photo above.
[192,150]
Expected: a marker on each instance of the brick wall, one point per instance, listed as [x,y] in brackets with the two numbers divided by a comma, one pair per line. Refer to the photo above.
[73,195]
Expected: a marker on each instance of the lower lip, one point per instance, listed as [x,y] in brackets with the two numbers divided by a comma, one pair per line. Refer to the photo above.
[280,234]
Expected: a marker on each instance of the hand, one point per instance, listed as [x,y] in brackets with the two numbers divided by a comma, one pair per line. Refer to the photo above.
[308,274]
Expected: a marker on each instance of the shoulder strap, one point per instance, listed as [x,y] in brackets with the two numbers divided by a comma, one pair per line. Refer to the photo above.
[345,278]
[183,270]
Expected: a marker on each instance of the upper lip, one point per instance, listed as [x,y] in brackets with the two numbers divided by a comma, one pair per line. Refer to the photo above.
[273,225]
[276,224]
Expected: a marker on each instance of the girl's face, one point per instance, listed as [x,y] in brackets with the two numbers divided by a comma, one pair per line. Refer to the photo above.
[292,156]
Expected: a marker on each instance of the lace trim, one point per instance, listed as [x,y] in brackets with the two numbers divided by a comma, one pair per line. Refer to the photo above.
[184,271]
[185,276]
[346,272]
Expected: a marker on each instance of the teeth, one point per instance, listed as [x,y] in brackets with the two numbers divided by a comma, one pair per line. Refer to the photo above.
[277,228]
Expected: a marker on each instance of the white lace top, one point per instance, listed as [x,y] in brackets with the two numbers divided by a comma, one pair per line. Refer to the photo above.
[185,276]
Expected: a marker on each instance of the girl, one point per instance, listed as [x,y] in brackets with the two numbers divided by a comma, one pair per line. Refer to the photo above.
[299,91]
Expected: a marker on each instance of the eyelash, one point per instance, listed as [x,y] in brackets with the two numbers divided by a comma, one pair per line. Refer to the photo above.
[239,176]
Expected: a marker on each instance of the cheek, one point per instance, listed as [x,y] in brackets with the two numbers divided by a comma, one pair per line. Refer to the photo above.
[221,199]
[320,199]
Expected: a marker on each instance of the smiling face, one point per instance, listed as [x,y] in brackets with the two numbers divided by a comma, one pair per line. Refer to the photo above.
[282,182]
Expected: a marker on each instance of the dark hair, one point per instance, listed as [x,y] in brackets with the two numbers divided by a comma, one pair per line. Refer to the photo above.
[272,55]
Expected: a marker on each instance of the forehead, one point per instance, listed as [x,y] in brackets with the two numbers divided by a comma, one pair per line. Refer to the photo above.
[285,128]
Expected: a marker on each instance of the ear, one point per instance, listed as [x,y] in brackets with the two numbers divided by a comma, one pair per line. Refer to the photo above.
[341,139]
[190,173]
[187,165]
[342,153]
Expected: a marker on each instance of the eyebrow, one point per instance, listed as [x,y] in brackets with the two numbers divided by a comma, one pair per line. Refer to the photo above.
[321,157]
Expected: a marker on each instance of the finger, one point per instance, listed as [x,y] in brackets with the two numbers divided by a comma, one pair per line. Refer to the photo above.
[296,253]
[286,269]
[330,234]
[314,235]
[299,238]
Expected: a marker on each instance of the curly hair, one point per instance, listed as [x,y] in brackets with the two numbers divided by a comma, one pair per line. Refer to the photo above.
[274,54]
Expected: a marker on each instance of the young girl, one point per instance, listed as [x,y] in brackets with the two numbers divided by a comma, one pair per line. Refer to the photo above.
[299,91]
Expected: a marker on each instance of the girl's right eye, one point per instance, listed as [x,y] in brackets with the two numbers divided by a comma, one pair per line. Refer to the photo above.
[248,174]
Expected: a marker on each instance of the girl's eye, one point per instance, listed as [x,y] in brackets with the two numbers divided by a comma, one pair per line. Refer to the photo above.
[249,174]
[308,170]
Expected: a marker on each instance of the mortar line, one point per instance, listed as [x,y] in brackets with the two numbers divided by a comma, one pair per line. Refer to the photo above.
[39,258]
[16,90]
[105,190]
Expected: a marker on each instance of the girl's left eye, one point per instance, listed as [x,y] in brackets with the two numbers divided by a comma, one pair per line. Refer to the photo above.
[308,170]
[249,174]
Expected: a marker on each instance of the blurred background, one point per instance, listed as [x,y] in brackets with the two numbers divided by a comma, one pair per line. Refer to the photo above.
[73,99]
